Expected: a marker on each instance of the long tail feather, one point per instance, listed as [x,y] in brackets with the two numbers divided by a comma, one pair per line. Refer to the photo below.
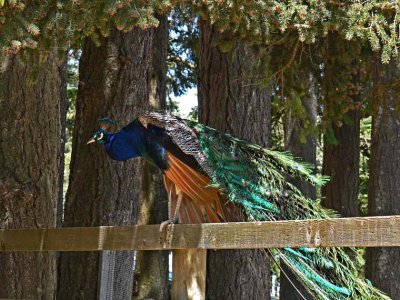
[256,179]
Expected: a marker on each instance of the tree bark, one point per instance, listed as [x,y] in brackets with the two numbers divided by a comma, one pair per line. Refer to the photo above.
[383,263]
[230,101]
[151,272]
[30,152]
[114,81]
[307,152]
[63,138]
[341,163]
[341,160]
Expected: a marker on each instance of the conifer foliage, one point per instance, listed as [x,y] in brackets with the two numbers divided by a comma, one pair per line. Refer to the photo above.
[45,24]
[25,24]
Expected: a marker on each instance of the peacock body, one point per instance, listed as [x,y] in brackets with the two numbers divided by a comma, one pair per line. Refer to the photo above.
[214,177]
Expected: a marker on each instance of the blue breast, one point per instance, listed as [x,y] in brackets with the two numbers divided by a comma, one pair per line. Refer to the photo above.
[135,140]
[121,147]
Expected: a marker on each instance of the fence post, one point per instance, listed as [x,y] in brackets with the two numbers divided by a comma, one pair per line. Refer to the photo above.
[189,274]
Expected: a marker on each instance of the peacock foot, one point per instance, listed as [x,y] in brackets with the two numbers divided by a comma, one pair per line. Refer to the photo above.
[168,222]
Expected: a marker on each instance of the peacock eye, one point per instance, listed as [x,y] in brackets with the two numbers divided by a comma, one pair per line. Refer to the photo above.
[101,135]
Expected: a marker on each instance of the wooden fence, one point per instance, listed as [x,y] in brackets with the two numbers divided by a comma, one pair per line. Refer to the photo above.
[190,241]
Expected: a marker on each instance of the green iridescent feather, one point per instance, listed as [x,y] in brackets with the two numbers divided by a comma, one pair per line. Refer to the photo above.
[257,180]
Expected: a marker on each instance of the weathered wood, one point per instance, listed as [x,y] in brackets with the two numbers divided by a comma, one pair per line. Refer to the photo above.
[336,232]
[189,274]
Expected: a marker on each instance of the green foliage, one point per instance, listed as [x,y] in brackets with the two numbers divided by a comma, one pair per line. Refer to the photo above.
[263,22]
[72,92]
[59,23]
[182,51]
[365,146]
[194,114]
[24,25]
[284,30]
[344,81]
[72,88]
[173,107]
[329,136]
[277,117]
[296,109]
[32,24]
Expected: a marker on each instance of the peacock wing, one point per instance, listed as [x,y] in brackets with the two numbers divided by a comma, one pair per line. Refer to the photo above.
[187,174]
[182,135]
[199,203]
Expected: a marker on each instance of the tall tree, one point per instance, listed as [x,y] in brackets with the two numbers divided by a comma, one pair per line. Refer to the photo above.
[114,81]
[383,263]
[299,143]
[231,101]
[304,147]
[341,162]
[30,159]
[151,273]
[341,155]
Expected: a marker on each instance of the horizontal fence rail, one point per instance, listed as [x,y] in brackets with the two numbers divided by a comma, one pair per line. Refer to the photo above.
[335,232]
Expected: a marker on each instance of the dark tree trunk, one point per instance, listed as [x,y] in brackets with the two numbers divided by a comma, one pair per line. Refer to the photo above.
[30,134]
[307,152]
[114,81]
[151,273]
[63,123]
[341,162]
[384,188]
[230,101]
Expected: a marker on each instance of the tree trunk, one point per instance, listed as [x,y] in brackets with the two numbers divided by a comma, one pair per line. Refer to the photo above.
[30,135]
[230,101]
[151,273]
[307,152]
[383,263]
[341,162]
[63,123]
[114,81]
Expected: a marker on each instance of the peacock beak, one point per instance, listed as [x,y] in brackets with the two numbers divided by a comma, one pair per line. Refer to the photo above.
[90,141]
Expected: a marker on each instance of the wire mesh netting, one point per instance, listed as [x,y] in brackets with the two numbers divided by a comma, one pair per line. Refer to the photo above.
[116,275]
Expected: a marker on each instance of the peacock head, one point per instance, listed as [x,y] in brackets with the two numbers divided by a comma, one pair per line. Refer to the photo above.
[102,135]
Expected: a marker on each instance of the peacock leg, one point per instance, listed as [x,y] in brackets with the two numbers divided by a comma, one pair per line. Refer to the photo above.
[173,219]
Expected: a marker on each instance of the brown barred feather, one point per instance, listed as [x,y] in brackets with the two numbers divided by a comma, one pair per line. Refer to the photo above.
[200,204]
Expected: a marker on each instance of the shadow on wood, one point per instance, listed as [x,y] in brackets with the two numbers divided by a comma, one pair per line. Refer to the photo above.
[189,274]
[335,232]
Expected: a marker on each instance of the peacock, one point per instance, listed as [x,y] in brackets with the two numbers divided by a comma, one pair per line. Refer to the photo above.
[212,176]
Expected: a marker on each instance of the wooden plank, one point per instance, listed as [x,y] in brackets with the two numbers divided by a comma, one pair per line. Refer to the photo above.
[189,274]
[346,232]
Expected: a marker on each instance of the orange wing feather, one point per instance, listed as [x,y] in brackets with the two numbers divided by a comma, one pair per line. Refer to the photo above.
[199,204]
